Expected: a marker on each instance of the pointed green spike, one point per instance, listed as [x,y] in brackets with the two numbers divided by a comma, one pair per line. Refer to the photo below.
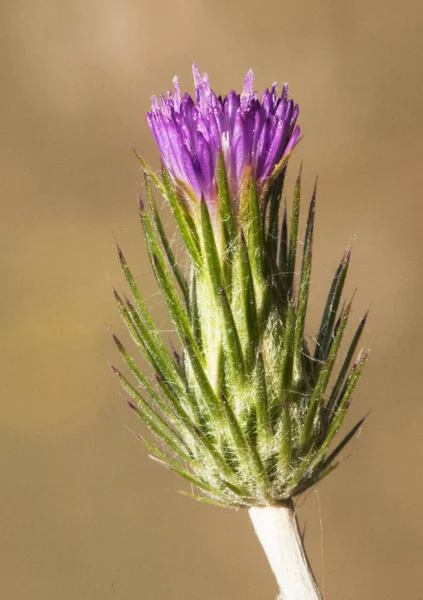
[185,404]
[194,312]
[275,174]
[336,326]
[344,397]
[247,296]
[304,291]
[195,433]
[345,365]
[161,362]
[321,474]
[341,412]
[264,428]
[174,305]
[293,238]
[300,319]
[286,445]
[163,238]
[225,469]
[329,460]
[154,422]
[317,396]
[182,218]
[310,225]
[184,221]
[213,501]
[246,451]
[331,309]
[275,193]
[252,222]
[254,230]
[288,349]
[203,382]
[168,462]
[134,289]
[319,471]
[174,415]
[164,363]
[314,478]
[225,204]
[149,325]
[177,311]
[283,254]
[233,344]
[149,172]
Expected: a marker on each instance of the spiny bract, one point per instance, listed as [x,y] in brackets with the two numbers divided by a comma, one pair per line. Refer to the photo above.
[247,412]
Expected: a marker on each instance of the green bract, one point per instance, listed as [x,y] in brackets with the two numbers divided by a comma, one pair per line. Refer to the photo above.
[248,411]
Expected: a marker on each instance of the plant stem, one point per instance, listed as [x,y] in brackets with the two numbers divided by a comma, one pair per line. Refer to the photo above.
[277,530]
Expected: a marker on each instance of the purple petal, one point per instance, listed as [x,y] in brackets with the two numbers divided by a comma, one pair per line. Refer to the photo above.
[250,131]
[248,89]
[177,94]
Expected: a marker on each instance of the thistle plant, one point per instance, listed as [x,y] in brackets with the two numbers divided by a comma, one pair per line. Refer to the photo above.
[248,409]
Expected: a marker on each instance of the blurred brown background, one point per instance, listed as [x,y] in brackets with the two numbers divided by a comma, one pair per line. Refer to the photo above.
[84,513]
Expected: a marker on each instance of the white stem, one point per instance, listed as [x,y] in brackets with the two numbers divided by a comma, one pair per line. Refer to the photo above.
[277,530]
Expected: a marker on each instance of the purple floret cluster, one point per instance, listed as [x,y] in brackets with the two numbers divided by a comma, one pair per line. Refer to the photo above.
[251,133]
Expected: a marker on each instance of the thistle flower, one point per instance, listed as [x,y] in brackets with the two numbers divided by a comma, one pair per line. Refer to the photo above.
[248,410]
[251,134]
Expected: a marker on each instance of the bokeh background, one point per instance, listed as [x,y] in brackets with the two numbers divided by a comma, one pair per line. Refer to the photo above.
[84,514]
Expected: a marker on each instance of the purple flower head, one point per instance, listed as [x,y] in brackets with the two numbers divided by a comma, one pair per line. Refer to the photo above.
[251,133]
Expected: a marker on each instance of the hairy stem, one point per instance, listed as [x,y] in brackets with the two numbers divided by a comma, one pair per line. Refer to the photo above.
[277,530]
